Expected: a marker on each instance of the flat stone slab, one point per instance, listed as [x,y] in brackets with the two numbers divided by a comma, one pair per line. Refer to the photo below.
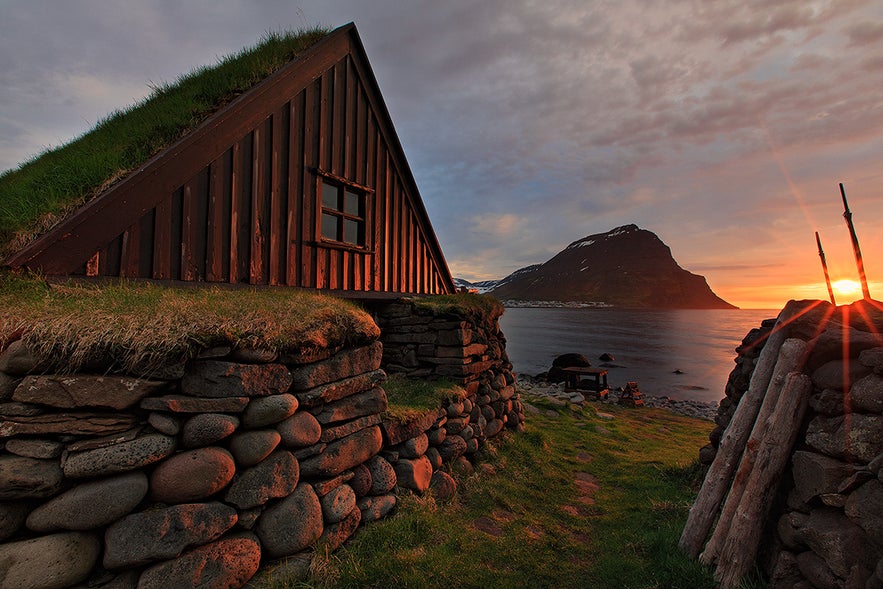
[344,364]
[217,379]
[118,458]
[368,403]
[83,424]
[90,505]
[343,454]
[334,391]
[161,534]
[22,477]
[77,391]
[58,560]
[185,404]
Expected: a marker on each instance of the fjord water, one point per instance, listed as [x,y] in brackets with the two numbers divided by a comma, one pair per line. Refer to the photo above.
[682,354]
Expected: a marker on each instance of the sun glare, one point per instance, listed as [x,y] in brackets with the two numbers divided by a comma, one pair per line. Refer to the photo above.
[846,291]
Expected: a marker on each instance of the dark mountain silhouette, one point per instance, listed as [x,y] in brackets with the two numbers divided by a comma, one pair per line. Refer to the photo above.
[625,267]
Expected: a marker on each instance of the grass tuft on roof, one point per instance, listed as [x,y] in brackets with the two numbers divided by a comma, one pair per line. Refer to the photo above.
[140,327]
[41,191]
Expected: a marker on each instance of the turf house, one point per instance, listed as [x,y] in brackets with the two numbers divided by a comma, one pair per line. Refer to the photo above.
[298,181]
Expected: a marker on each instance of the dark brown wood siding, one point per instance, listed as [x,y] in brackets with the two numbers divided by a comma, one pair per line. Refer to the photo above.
[237,200]
[252,213]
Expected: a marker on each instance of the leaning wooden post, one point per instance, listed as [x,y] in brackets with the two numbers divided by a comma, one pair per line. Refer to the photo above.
[825,269]
[847,214]
[792,356]
[740,549]
[717,479]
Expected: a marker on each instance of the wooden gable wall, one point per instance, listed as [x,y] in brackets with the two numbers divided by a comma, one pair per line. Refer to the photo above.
[243,205]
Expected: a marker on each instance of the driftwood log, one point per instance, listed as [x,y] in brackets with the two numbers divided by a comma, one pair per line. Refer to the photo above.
[717,480]
[744,533]
[792,356]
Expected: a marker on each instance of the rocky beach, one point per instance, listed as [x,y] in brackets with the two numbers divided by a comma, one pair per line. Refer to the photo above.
[535,387]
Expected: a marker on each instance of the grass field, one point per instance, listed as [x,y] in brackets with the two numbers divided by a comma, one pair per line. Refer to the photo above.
[583,498]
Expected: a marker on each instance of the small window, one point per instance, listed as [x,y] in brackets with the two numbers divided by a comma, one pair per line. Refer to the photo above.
[343,213]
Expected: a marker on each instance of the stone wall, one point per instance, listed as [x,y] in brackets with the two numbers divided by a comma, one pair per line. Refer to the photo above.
[232,466]
[825,528]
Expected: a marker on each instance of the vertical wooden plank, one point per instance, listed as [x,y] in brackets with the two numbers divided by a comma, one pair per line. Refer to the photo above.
[294,239]
[93,264]
[258,201]
[321,267]
[145,245]
[131,251]
[363,162]
[162,240]
[312,151]
[372,266]
[387,227]
[278,185]
[395,231]
[188,233]
[335,262]
[235,209]
[358,266]
[214,252]
[350,131]
[176,232]
[326,92]
[337,123]
[109,260]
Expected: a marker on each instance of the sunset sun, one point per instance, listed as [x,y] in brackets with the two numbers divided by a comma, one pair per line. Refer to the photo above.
[846,290]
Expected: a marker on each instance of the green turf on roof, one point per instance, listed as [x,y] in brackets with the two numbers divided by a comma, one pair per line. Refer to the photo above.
[43,189]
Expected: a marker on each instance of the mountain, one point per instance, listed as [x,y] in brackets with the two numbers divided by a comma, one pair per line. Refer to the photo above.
[625,267]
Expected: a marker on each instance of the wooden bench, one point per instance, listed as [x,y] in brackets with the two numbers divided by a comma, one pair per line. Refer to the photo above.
[595,384]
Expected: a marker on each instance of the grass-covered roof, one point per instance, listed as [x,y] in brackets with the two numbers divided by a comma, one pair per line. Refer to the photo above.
[140,327]
[34,196]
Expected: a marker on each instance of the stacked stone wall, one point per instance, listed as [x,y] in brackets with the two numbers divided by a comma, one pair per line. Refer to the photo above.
[825,529]
[229,467]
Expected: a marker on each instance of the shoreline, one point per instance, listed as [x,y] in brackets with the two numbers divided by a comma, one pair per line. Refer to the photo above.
[556,393]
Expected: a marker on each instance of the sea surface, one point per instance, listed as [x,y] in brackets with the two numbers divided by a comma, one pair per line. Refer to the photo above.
[682,354]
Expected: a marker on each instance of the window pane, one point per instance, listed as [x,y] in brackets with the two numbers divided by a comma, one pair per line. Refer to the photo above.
[329,227]
[352,232]
[353,204]
[330,196]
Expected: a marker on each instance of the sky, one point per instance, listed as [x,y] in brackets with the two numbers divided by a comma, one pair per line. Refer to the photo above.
[722,126]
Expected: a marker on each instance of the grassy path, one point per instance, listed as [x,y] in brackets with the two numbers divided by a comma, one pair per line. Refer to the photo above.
[586,497]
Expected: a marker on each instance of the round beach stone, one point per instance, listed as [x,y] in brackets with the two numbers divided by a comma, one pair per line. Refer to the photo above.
[338,503]
[22,477]
[300,430]
[160,534]
[335,534]
[414,473]
[90,505]
[434,458]
[121,457]
[376,507]
[452,447]
[265,411]
[291,525]
[436,436]
[383,475]
[164,423]
[205,429]
[249,448]
[12,517]
[414,447]
[192,475]
[361,481]
[275,477]
[42,449]
[229,562]
[443,485]
[55,561]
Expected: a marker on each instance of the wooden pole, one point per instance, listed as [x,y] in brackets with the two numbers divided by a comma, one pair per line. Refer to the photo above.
[825,268]
[792,355]
[717,479]
[740,549]
[847,214]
